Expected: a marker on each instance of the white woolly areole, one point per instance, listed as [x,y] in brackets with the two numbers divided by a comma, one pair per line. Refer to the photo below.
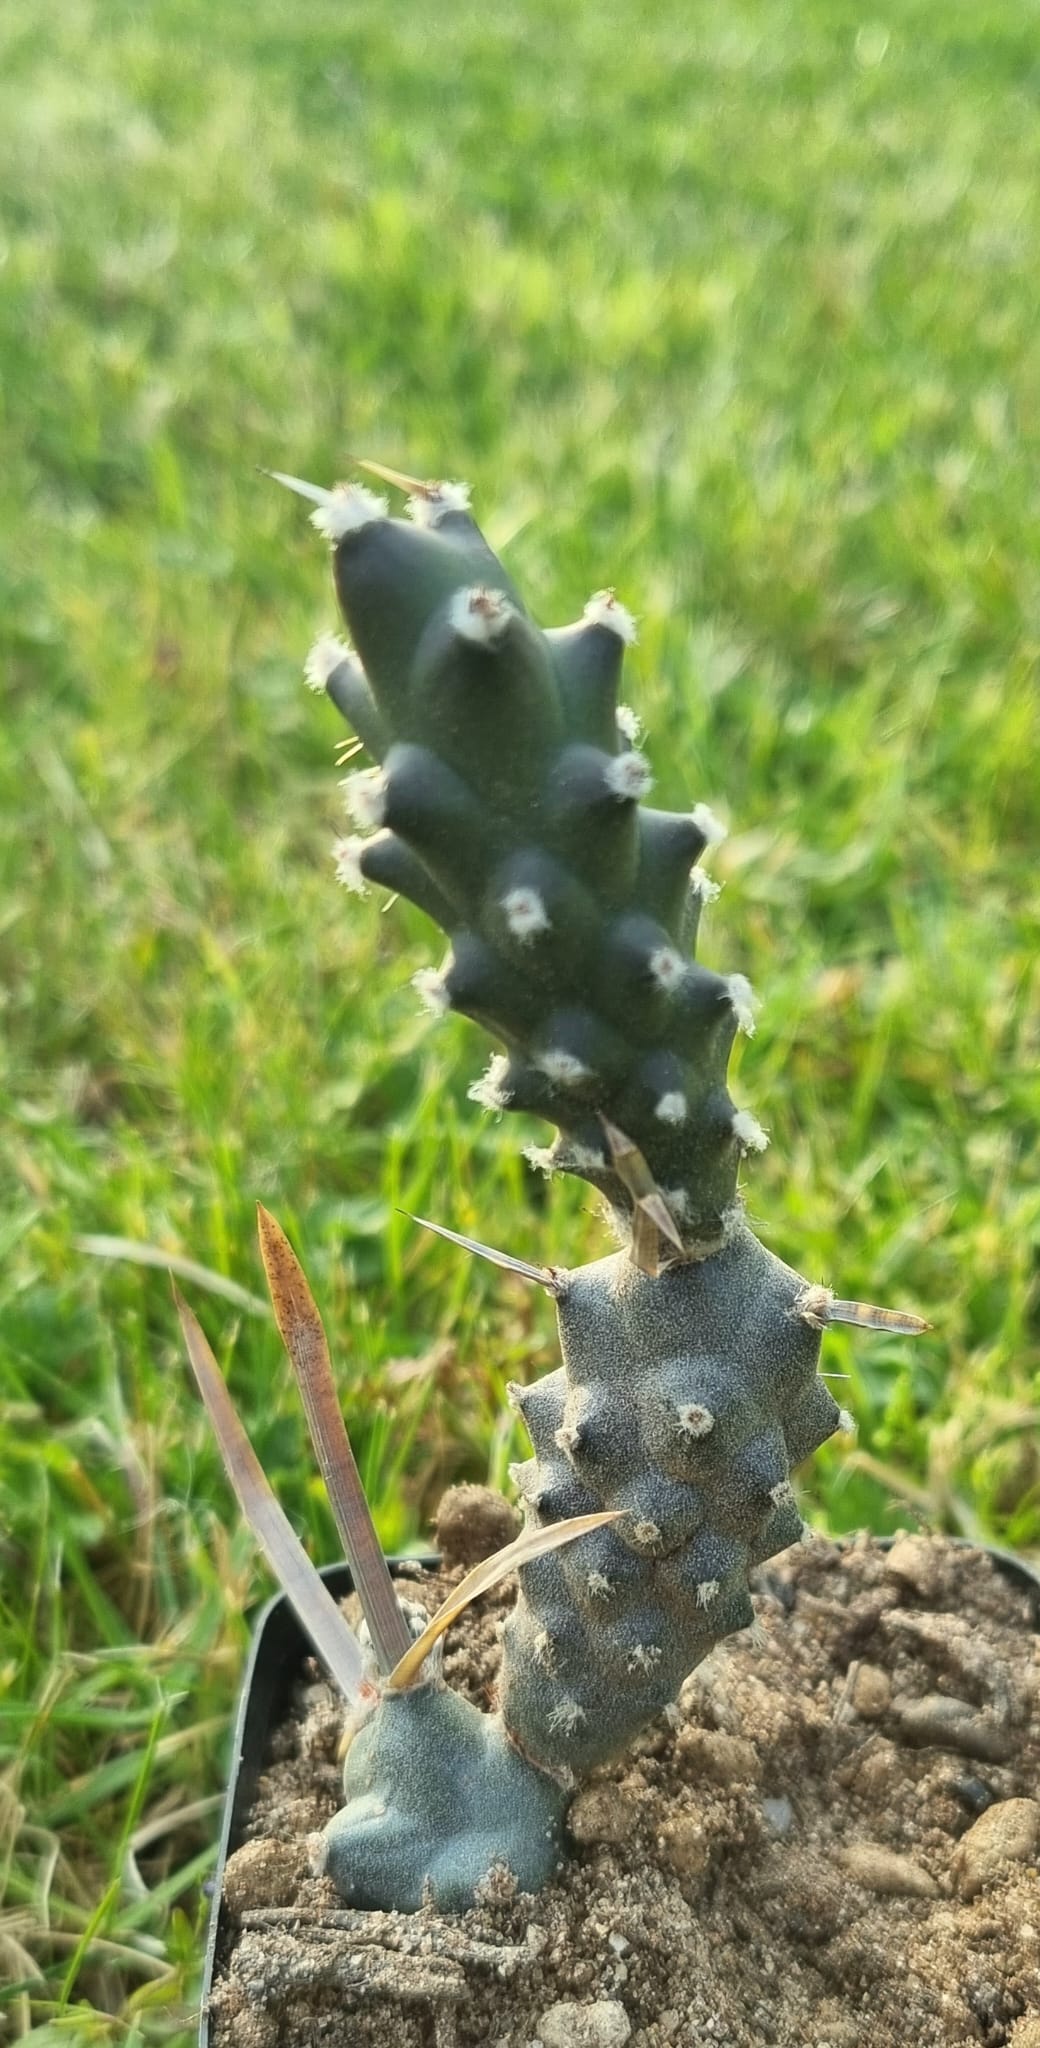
[348,507]
[564,1069]
[326,656]
[679,1203]
[702,885]
[491,1091]
[541,1158]
[432,991]
[671,1108]
[813,1306]
[712,827]
[644,1657]
[694,1419]
[628,777]
[428,507]
[566,1715]
[706,1592]
[525,913]
[744,1000]
[782,1494]
[365,796]
[524,1476]
[480,615]
[847,1423]
[347,855]
[667,968]
[629,723]
[580,1159]
[603,609]
[748,1132]
[598,1585]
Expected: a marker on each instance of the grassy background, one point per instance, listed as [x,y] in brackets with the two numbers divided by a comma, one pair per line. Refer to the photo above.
[733,307]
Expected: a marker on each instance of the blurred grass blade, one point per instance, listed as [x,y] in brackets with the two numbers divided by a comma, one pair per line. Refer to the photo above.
[488,1574]
[314,1605]
[546,1276]
[137,1254]
[303,1335]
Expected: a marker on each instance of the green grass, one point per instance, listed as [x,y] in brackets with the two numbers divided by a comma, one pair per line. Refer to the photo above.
[733,307]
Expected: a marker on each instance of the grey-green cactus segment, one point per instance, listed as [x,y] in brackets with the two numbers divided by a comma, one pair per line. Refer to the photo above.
[685,1400]
[437,1798]
[507,805]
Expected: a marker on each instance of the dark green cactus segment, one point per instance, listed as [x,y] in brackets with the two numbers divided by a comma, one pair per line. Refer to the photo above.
[511,777]
[393,579]
[587,659]
[347,687]
[387,860]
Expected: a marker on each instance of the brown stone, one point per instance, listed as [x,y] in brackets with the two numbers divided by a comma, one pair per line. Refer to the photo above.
[871,1691]
[916,1562]
[1006,1833]
[886,1872]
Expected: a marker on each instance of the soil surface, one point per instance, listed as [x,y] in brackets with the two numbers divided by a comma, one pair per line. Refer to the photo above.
[831,1842]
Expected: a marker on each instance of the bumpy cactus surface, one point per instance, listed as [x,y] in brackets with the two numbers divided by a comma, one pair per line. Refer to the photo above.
[507,804]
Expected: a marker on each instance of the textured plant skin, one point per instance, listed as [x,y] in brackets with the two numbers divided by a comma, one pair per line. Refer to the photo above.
[507,806]
[438,1797]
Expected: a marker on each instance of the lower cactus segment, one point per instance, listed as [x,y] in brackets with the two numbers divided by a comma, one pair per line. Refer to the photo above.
[684,1400]
[437,1799]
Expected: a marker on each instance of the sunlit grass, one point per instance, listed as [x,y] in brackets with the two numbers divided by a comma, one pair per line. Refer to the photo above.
[732,309]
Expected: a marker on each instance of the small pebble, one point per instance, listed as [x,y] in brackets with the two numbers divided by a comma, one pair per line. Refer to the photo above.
[914,1562]
[568,2025]
[974,1794]
[941,1722]
[1008,1832]
[778,1815]
[871,1692]
[887,1873]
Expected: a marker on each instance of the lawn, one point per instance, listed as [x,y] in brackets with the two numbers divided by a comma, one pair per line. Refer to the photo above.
[731,307]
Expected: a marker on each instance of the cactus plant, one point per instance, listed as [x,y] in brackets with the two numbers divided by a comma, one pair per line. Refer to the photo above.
[507,802]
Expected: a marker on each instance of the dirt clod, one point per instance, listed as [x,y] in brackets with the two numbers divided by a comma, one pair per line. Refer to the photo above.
[601,1813]
[472,1523]
[604,2024]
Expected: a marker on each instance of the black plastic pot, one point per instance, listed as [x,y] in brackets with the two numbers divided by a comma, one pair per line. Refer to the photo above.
[278,1653]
